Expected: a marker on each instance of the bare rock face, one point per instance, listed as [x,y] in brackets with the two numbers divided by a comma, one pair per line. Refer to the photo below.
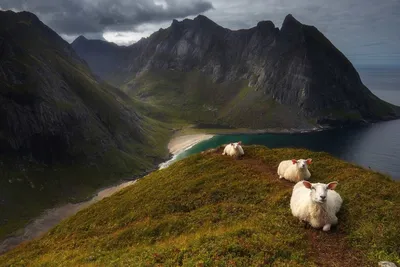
[296,66]
[386,264]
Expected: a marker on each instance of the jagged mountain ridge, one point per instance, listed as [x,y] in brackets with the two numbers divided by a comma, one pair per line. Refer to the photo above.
[296,67]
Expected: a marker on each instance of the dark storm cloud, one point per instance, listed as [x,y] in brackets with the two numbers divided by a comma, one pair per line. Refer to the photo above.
[93,16]
[367,31]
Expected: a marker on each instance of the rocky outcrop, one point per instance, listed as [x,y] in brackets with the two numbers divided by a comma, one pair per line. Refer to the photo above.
[296,66]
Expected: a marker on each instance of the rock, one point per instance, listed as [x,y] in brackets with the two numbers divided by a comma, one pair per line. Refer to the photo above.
[386,264]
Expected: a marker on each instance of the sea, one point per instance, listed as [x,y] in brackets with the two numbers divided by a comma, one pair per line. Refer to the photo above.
[376,146]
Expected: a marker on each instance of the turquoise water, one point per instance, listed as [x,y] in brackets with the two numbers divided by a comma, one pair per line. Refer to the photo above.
[376,146]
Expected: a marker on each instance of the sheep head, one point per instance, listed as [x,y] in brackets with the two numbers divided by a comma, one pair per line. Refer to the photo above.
[302,163]
[319,191]
[236,145]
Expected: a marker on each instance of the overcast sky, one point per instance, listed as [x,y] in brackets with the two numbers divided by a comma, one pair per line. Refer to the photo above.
[367,31]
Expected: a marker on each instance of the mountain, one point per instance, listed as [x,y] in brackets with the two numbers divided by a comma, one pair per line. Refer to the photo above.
[259,78]
[212,210]
[102,56]
[62,132]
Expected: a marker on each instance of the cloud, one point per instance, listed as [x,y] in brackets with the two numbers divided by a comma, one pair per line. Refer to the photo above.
[355,26]
[365,30]
[93,16]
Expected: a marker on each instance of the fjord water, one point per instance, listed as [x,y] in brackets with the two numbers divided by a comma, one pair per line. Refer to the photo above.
[376,146]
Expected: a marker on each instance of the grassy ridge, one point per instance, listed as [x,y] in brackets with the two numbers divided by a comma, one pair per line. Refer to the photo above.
[211,210]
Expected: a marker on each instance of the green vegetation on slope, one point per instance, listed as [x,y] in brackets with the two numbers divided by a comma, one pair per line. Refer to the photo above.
[193,97]
[63,133]
[212,210]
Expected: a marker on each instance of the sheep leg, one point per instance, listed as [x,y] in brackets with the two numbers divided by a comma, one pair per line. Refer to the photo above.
[280,176]
[326,227]
[305,224]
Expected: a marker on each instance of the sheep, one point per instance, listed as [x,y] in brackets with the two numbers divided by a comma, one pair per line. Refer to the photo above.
[316,203]
[234,150]
[294,170]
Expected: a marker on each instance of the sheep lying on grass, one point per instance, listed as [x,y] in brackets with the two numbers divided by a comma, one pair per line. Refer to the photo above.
[234,150]
[316,203]
[294,170]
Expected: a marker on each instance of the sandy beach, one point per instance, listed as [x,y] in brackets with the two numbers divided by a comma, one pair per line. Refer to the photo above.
[181,143]
[52,217]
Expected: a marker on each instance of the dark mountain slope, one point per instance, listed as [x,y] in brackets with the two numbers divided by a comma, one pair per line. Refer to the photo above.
[62,133]
[262,71]
[102,56]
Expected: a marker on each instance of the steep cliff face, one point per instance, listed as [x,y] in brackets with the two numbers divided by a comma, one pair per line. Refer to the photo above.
[62,132]
[295,67]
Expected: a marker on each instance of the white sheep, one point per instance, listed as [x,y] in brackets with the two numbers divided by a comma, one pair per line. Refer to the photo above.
[316,203]
[234,150]
[294,170]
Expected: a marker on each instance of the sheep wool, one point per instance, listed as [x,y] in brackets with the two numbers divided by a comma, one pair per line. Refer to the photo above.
[234,149]
[294,170]
[316,204]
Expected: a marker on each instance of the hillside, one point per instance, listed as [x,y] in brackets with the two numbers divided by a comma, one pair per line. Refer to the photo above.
[263,77]
[63,133]
[212,210]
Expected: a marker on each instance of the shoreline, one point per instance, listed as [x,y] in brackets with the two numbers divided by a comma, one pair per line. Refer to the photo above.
[180,143]
[193,130]
[51,217]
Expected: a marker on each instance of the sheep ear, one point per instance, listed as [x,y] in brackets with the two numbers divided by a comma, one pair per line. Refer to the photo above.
[309,161]
[332,185]
[240,142]
[231,144]
[307,184]
[294,161]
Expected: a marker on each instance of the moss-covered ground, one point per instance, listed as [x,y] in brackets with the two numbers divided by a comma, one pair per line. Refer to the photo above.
[213,210]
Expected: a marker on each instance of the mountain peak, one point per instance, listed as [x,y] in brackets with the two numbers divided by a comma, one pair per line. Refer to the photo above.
[202,18]
[310,69]
[265,26]
[290,23]
[199,22]
[80,38]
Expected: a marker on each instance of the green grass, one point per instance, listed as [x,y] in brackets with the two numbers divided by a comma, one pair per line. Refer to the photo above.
[62,183]
[211,210]
[193,98]
[57,96]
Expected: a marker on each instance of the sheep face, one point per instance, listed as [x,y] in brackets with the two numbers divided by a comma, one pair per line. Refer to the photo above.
[236,145]
[319,191]
[302,163]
